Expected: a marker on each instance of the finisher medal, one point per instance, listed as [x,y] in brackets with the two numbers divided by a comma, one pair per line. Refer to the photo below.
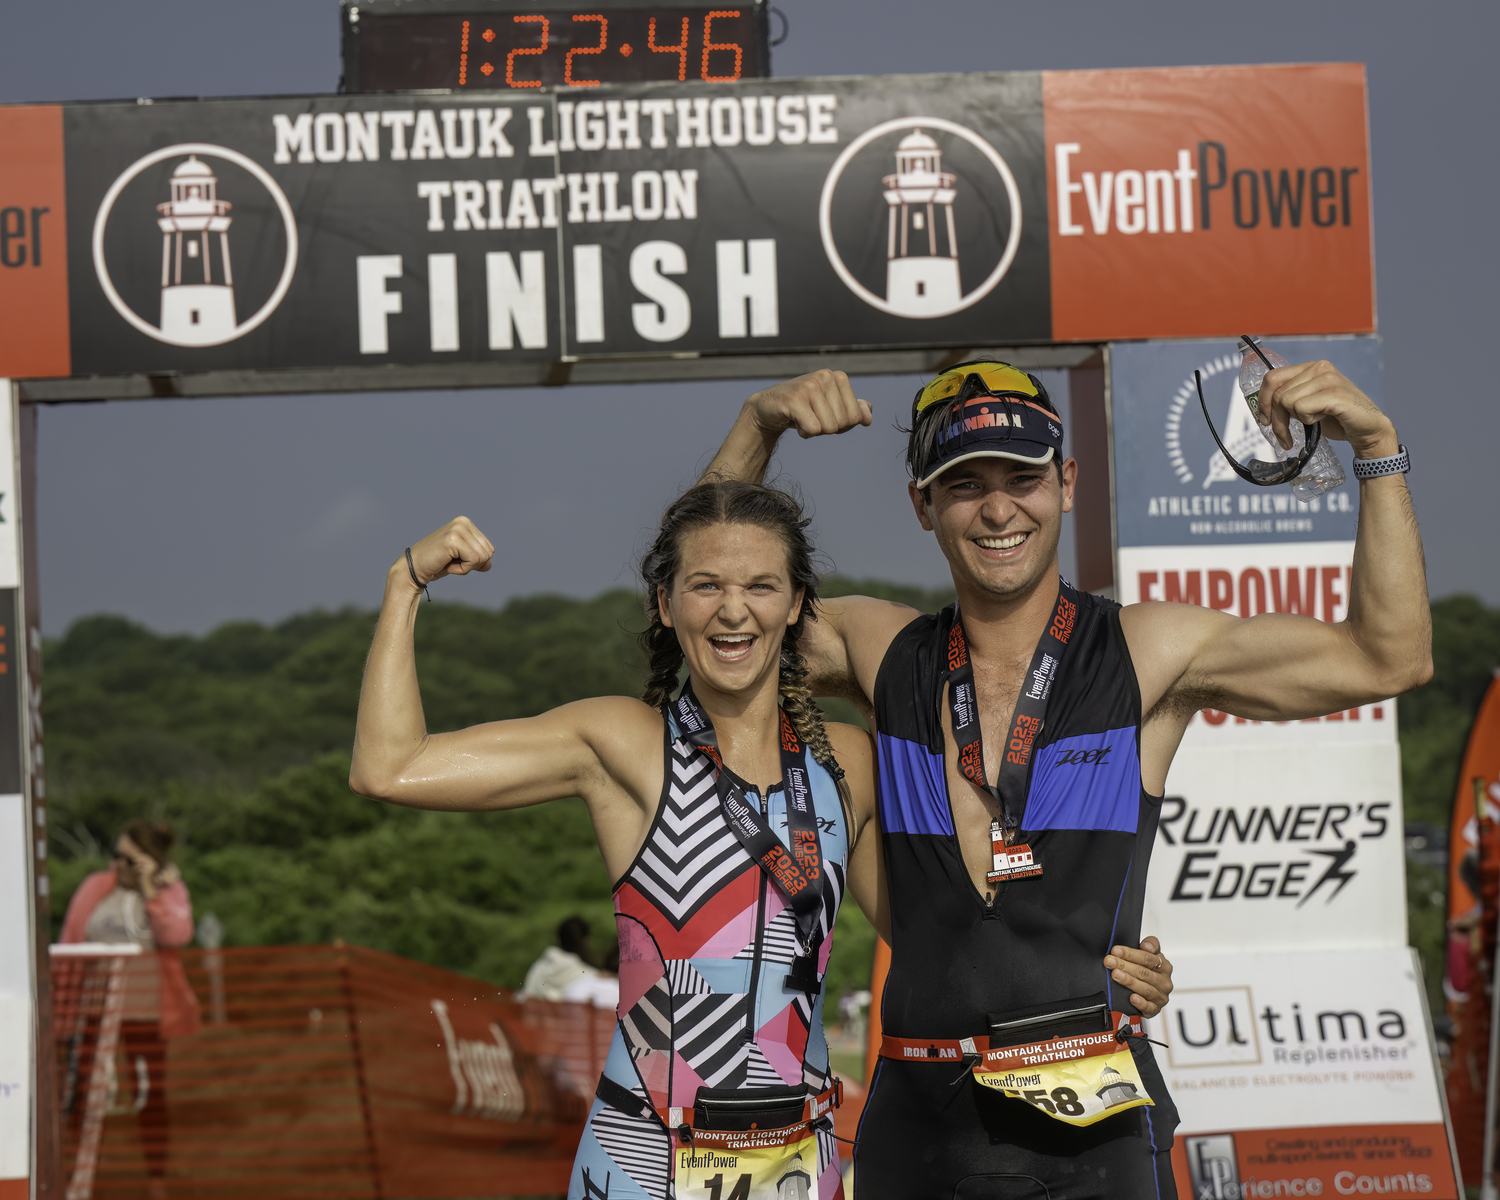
[1010,861]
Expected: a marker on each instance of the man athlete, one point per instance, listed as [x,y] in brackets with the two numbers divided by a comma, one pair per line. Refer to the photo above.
[1016,844]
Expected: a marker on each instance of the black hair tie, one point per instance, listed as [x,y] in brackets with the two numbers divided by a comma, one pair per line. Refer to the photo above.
[410,566]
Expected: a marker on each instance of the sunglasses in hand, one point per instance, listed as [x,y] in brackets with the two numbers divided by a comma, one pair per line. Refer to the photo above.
[1259,471]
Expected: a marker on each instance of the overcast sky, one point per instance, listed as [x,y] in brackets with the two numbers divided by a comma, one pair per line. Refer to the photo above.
[184,514]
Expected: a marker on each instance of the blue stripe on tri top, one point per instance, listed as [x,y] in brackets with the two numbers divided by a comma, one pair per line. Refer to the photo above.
[1091,781]
[913,789]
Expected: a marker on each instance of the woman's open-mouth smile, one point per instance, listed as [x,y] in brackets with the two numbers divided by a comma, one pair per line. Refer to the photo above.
[732,647]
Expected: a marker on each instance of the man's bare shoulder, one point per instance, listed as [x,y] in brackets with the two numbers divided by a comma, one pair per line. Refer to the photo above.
[844,646]
[1163,638]
[850,743]
[868,624]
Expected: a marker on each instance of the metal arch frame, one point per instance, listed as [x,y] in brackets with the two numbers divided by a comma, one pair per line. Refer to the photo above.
[1087,364]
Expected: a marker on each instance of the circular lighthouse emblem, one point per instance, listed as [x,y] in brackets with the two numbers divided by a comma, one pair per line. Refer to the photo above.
[920,217]
[196,301]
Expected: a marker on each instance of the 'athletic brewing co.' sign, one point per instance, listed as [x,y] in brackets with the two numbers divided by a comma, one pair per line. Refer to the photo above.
[669,219]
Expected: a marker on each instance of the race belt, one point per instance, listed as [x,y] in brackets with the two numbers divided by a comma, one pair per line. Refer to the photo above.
[739,1157]
[1078,1079]
[685,1121]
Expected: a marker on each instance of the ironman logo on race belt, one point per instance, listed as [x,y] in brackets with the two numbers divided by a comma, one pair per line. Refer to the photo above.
[917,210]
[196,300]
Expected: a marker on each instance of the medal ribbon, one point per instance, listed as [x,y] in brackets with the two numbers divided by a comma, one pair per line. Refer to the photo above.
[798,874]
[1009,788]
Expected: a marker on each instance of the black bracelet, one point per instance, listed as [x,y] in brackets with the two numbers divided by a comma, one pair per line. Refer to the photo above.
[410,566]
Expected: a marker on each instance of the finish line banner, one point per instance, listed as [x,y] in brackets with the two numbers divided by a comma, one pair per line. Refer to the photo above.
[686,219]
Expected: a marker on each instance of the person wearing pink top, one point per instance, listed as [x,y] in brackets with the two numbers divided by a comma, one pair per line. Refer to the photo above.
[141,898]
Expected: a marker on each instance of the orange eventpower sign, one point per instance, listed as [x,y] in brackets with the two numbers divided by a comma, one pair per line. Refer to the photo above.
[33,243]
[1203,201]
[417,230]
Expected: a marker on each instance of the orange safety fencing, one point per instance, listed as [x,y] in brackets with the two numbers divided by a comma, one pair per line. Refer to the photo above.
[333,1072]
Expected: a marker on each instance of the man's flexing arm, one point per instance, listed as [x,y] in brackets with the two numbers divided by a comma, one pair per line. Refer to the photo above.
[845,645]
[819,403]
[1277,667]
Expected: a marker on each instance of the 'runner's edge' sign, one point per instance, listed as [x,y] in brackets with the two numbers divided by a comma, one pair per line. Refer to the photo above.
[774,215]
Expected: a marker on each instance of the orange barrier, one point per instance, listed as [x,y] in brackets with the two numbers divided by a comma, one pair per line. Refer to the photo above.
[319,1071]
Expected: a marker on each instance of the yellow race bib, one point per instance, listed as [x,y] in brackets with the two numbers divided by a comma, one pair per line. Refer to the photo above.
[1078,1080]
[761,1164]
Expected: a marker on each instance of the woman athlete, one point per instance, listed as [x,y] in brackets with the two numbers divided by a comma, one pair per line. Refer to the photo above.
[731,817]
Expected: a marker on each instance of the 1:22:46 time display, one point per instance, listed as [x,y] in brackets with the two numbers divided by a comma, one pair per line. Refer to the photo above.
[559,49]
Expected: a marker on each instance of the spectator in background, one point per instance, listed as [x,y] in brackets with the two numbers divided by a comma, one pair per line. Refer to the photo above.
[603,989]
[561,965]
[141,899]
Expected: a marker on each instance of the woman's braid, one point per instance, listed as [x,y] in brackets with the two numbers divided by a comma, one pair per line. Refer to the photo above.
[664,658]
[807,718]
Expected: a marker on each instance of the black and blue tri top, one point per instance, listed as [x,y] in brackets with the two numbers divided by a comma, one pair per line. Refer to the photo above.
[957,959]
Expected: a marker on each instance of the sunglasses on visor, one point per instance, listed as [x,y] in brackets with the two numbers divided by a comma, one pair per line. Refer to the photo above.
[963,382]
[1259,471]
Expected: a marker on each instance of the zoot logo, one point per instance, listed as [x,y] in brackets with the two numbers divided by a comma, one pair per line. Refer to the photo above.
[924,259]
[1098,756]
[198,303]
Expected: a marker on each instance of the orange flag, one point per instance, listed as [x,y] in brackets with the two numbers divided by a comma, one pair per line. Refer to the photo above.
[1473,909]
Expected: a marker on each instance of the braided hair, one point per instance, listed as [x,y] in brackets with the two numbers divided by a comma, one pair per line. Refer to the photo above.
[734,502]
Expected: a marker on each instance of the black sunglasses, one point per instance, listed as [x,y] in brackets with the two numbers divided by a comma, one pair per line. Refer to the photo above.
[1261,472]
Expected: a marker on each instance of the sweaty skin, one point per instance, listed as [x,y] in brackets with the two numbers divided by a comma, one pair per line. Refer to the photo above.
[998,523]
[730,606]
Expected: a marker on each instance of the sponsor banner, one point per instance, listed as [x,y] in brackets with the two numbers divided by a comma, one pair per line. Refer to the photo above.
[1279,845]
[1328,1160]
[16,985]
[1303,1073]
[1310,579]
[1266,822]
[1172,485]
[1175,191]
[33,243]
[765,215]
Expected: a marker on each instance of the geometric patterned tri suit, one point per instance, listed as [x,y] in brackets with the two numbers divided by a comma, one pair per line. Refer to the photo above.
[955,959]
[705,944]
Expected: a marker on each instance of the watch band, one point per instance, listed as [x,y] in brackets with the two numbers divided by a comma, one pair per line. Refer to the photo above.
[1373,468]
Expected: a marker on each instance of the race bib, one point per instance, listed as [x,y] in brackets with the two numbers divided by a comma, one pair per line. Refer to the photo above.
[1078,1080]
[770,1164]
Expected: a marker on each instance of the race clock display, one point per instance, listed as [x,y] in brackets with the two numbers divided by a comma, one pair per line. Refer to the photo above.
[403,45]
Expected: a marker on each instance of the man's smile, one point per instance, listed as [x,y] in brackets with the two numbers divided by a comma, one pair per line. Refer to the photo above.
[998,545]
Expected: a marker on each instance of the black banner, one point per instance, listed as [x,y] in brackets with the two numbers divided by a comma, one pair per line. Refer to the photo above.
[657,220]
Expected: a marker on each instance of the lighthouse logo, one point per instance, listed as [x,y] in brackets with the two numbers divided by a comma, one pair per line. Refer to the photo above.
[909,241]
[197,304]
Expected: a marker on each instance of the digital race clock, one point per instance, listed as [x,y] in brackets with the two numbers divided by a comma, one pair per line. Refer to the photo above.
[400,45]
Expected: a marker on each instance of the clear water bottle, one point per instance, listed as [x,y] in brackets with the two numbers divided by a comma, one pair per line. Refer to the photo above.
[1323,472]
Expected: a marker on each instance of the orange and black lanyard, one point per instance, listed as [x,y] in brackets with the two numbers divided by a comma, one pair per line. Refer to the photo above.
[1009,788]
[798,874]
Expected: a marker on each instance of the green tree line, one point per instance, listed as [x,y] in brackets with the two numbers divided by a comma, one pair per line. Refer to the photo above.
[241,739]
